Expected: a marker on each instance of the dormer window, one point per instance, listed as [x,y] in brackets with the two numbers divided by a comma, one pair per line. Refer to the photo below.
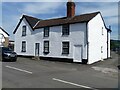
[46,31]
[24,30]
[65,29]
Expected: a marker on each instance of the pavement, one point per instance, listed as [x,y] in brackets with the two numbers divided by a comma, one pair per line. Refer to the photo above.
[28,73]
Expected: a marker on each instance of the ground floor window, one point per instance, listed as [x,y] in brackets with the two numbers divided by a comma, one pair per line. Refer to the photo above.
[23,46]
[65,47]
[46,47]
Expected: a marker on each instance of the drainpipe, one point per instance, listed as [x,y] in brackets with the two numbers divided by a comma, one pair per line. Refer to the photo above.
[87,41]
[107,44]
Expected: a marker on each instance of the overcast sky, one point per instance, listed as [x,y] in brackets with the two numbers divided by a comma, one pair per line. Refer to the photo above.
[12,11]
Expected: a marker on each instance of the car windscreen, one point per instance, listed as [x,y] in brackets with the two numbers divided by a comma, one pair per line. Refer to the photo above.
[4,49]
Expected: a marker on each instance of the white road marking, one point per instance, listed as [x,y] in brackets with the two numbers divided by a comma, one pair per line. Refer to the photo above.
[74,84]
[19,69]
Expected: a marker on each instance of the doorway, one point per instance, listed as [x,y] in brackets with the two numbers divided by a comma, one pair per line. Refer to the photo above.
[37,49]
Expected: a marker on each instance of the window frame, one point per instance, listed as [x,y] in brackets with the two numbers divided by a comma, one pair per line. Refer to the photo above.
[65,29]
[23,47]
[46,32]
[24,29]
[67,48]
[46,47]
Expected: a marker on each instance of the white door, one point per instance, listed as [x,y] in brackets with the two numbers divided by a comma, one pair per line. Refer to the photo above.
[77,53]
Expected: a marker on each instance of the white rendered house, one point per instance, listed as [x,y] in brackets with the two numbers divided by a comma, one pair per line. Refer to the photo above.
[82,38]
[4,37]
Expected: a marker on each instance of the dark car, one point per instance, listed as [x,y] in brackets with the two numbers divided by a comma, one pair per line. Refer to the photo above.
[118,67]
[7,54]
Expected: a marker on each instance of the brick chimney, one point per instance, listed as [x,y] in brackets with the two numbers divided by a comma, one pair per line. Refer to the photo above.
[70,8]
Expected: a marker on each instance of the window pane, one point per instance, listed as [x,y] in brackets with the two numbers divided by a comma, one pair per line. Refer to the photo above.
[46,44]
[65,50]
[46,50]
[65,45]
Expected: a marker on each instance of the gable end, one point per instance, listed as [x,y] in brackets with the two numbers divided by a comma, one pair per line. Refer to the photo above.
[30,20]
[4,31]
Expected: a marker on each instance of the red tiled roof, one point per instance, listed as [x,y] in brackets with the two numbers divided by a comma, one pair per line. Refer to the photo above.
[65,20]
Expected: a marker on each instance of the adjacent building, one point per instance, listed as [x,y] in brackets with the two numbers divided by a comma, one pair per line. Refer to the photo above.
[82,38]
[4,38]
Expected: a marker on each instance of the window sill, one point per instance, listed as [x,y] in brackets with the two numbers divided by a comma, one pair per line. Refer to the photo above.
[23,51]
[23,35]
[66,54]
[65,35]
[46,52]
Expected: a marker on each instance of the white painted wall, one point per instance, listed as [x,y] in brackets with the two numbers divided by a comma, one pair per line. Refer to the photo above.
[77,37]
[96,39]
[109,45]
[2,35]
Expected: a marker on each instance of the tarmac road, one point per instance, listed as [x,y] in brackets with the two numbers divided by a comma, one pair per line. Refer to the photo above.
[27,73]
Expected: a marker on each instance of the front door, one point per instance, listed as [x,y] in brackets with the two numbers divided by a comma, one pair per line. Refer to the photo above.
[77,53]
[36,49]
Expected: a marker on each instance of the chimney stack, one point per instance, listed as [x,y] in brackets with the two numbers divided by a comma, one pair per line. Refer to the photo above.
[70,8]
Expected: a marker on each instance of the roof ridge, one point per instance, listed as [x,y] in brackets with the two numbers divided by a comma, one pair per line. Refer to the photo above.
[61,17]
[89,13]
[63,20]
[71,17]
[54,18]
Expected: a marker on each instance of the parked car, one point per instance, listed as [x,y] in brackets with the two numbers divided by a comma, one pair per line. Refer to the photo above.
[7,54]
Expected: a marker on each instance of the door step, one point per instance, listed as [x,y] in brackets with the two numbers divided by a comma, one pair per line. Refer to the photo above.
[36,58]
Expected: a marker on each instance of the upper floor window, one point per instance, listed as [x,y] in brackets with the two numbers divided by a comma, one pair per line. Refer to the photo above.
[65,47]
[65,29]
[46,47]
[102,31]
[46,31]
[23,46]
[24,30]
